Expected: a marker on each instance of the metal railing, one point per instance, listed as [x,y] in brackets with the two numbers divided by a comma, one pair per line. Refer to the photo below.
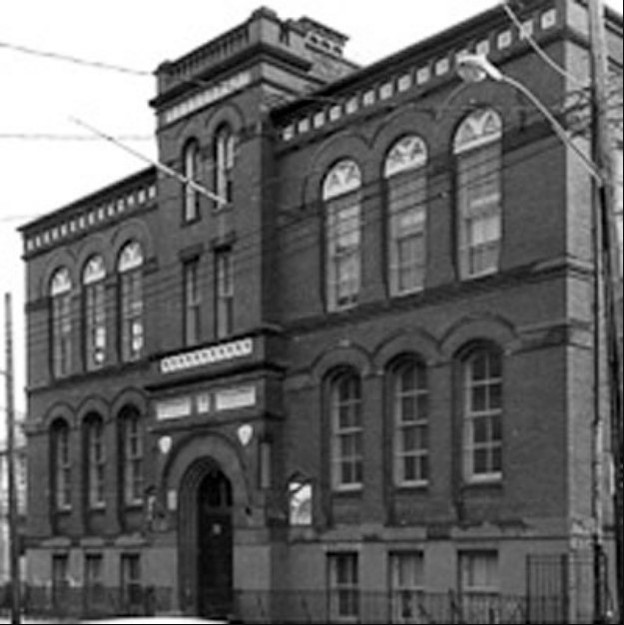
[68,604]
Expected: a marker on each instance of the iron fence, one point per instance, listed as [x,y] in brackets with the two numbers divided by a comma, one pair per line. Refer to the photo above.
[70,604]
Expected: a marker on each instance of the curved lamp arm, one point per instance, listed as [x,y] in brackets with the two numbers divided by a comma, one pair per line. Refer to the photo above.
[476,68]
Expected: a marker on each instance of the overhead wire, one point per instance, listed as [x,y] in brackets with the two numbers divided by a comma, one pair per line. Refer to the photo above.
[255,134]
[247,254]
[55,136]
[528,36]
[74,59]
[109,66]
[274,179]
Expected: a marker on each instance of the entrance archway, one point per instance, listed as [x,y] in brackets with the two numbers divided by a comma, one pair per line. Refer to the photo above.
[206,540]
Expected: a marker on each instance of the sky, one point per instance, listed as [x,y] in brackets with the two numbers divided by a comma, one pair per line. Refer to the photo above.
[47,160]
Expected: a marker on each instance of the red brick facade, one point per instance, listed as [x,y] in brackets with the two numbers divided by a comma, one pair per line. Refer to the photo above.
[236,420]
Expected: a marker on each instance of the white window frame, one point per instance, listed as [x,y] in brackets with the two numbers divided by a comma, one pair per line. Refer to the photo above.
[130,268]
[224,295]
[406,427]
[61,322]
[407,585]
[343,223]
[347,439]
[94,577]
[478,152]
[96,462]
[479,588]
[192,302]
[61,440]
[224,161]
[344,587]
[190,159]
[131,578]
[483,420]
[406,197]
[94,313]
[133,459]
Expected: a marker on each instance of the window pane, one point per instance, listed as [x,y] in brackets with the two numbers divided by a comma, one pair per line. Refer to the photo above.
[483,415]
[343,233]
[479,197]
[346,430]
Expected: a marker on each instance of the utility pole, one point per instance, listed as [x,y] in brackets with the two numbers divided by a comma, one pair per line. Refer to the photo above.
[13,533]
[603,146]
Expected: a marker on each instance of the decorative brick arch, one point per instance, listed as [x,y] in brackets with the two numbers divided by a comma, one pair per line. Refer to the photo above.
[479,327]
[342,356]
[132,230]
[60,410]
[229,114]
[218,450]
[415,341]
[61,258]
[191,461]
[343,146]
[95,245]
[403,122]
[93,405]
[129,397]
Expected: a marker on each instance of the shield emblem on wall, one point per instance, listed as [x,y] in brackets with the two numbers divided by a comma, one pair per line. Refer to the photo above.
[245,432]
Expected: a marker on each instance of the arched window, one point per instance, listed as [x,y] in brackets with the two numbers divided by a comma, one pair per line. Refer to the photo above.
[61,466]
[410,413]
[130,269]
[345,407]
[406,197]
[478,153]
[95,460]
[190,159]
[94,310]
[224,157]
[482,414]
[132,454]
[60,293]
[342,198]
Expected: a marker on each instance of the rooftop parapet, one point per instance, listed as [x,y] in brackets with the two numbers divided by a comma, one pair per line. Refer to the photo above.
[303,38]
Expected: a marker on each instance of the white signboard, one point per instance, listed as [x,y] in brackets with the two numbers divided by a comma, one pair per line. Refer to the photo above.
[173,408]
[234,398]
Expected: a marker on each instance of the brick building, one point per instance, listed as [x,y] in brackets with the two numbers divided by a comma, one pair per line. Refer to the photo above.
[354,379]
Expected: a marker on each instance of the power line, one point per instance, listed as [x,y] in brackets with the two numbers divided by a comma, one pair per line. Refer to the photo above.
[160,166]
[538,49]
[246,251]
[73,59]
[52,136]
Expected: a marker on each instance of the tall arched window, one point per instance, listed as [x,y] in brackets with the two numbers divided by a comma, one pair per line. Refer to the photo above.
[406,197]
[345,407]
[483,414]
[224,156]
[190,159]
[60,293]
[130,269]
[410,412]
[94,310]
[61,466]
[342,198]
[131,443]
[478,153]
[95,460]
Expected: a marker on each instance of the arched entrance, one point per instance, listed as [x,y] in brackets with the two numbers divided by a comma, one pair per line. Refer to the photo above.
[206,540]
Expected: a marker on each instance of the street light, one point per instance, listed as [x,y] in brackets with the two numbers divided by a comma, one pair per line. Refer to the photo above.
[474,68]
